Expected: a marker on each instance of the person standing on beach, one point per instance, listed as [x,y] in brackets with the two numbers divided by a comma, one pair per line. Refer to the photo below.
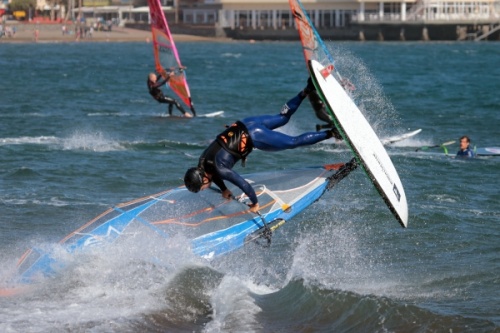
[155,91]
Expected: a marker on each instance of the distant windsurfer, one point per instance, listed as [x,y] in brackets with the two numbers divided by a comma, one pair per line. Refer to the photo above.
[465,150]
[155,91]
[236,143]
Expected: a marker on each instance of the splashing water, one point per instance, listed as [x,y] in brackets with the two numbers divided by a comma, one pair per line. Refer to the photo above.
[368,95]
[97,142]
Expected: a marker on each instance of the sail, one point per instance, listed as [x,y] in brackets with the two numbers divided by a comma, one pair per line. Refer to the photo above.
[213,225]
[166,55]
[313,46]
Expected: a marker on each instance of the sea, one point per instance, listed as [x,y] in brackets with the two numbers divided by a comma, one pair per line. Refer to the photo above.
[79,133]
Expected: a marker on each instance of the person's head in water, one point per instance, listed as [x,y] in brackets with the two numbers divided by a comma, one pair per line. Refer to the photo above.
[152,77]
[196,179]
[464,142]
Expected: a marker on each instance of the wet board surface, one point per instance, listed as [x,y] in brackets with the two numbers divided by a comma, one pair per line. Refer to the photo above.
[363,141]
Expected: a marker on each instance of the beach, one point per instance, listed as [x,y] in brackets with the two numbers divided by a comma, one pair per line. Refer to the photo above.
[52,33]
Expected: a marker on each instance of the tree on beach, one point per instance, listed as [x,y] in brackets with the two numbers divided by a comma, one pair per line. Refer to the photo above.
[16,5]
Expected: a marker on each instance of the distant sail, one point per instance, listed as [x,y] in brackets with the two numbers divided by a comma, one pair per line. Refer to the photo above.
[166,55]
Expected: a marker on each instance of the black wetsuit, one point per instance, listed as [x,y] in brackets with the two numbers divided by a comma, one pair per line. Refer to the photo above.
[155,91]
[320,111]
[319,107]
[239,139]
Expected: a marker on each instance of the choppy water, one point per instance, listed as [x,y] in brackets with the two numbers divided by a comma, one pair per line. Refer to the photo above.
[79,132]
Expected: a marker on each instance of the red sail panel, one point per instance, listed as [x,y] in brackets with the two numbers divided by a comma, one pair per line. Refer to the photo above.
[166,55]
[306,32]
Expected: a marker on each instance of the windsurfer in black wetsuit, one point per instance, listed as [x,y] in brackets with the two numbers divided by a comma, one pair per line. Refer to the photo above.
[155,91]
[236,143]
[320,111]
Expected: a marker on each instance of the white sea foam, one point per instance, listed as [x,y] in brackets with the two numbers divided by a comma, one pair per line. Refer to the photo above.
[96,141]
[368,95]
[234,307]
[79,140]
[23,140]
[338,257]
[107,287]
[231,55]
[53,201]
[108,114]
[443,198]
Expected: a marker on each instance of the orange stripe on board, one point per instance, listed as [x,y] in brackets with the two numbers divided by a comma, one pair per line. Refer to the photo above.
[186,224]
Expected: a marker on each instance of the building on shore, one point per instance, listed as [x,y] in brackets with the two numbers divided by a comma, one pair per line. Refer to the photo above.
[48,8]
[352,19]
[334,19]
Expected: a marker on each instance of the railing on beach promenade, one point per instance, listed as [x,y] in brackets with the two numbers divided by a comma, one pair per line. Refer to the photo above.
[435,11]
[492,29]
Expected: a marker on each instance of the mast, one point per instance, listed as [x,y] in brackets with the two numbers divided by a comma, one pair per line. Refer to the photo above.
[176,6]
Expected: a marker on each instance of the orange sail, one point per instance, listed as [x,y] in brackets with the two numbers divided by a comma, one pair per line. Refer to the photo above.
[313,46]
[166,55]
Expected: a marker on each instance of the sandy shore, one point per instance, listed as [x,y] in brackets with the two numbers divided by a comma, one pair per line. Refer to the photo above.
[52,33]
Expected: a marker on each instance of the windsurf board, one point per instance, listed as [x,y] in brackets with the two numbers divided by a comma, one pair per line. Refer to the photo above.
[363,141]
[205,115]
[488,151]
[211,114]
[401,137]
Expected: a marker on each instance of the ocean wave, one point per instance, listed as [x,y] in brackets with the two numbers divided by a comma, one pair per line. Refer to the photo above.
[109,114]
[53,202]
[98,142]
[231,55]
[24,115]
[299,307]
[143,283]
[23,140]
[22,173]
[78,141]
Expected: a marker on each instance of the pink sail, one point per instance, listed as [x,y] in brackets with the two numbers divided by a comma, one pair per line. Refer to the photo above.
[166,55]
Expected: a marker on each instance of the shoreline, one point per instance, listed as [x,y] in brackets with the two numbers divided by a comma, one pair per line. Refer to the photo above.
[25,34]
[52,33]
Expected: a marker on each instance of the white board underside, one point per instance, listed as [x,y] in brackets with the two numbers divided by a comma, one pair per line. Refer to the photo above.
[363,141]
